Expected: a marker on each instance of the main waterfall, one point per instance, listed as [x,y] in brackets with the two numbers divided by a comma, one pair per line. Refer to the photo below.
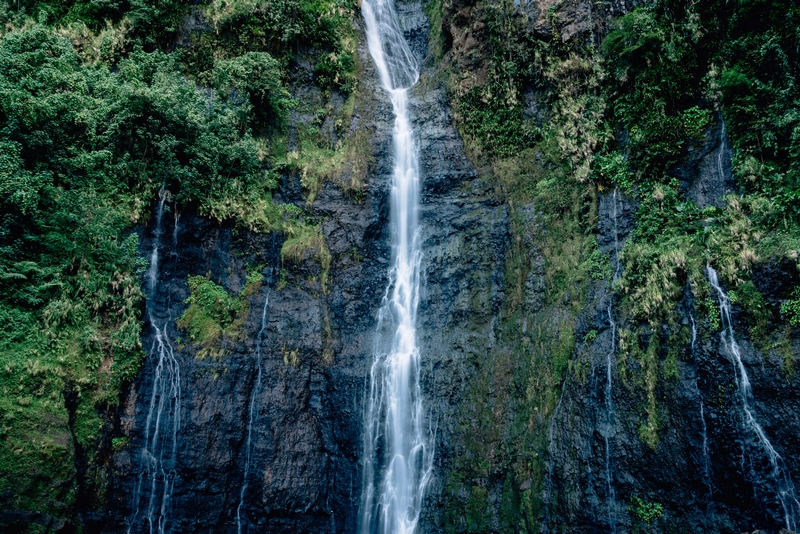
[397,451]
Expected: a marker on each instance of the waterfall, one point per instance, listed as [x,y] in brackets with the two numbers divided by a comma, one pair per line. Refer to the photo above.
[551,459]
[780,475]
[250,415]
[721,152]
[397,457]
[152,271]
[609,402]
[156,479]
[616,238]
[703,425]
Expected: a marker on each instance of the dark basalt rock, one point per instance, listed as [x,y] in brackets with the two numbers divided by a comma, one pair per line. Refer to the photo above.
[706,173]
[305,474]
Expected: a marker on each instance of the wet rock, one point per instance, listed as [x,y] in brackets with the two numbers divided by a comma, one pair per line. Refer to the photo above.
[706,173]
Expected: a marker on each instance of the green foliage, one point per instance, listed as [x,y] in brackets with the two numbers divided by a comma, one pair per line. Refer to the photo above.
[347,165]
[590,336]
[598,265]
[255,76]
[625,116]
[336,71]
[83,150]
[613,168]
[645,511]
[149,23]
[695,121]
[712,311]
[492,114]
[760,88]
[654,74]
[790,309]
[119,443]
[659,56]
[283,28]
[213,314]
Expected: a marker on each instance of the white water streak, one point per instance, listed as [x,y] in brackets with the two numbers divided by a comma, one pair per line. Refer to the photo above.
[240,520]
[152,271]
[704,426]
[780,475]
[617,267]
[721,153]
[157,471]
[611,496]
[398,456]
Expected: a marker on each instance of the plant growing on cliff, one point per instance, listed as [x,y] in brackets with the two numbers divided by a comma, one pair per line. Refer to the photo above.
[790,309]
[491,115]
[213,314]
[645,511]
[613,168]
[307,242]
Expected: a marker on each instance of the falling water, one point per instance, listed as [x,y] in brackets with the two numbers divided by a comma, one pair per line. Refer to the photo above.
[397,450]
[156,479]
[152,271]
[704,427]
[721,153]
[780,475]
[551,460]
[610,493]
[250,416]
[616,238]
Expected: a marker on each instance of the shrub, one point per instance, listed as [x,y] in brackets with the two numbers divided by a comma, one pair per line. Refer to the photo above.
[645,511]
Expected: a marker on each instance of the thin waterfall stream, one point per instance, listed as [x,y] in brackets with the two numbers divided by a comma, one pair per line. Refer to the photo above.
[611,496]
[240,519]
[617,268]
[721,153]
[780,475]
[703,425]
[398,456]
[156,479]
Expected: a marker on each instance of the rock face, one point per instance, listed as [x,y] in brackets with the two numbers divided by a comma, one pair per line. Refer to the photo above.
[706,174]
[304,474]
[707,467]
[707,471]
[317,349]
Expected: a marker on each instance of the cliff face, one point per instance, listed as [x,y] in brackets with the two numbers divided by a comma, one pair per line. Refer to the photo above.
[316,348]
[540,418]
[318,342]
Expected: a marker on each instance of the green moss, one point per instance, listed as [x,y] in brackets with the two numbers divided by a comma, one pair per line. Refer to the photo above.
[477,515]
[347,166]
[307,242]
[783,347]
[213,314]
